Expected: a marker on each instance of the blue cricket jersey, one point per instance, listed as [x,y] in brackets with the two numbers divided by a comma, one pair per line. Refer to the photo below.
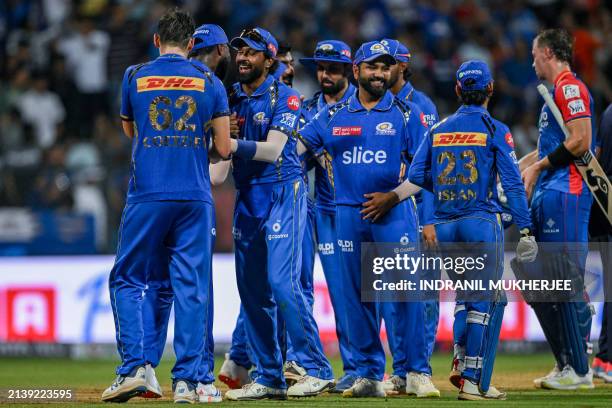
[369,150]
[324,196]
[171,102]
[409,94]
[459,161]
[273,106]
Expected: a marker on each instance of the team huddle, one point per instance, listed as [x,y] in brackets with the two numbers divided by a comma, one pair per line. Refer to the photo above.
[386,169]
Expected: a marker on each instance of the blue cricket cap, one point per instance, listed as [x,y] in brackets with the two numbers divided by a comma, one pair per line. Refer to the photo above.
[474,75]
[329,51]
[207,35]
[371,51]
[397,49]
[258,39]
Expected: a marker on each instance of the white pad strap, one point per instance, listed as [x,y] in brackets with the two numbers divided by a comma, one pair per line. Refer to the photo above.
[473,362]
[459,308]
[475,317]
[459,352]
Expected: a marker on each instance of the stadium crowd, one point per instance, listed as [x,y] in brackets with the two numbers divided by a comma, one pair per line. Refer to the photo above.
[61,65]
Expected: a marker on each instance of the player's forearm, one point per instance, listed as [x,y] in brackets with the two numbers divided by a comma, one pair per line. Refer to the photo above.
[528,160]
[579,140]
[221,136]
[128,128]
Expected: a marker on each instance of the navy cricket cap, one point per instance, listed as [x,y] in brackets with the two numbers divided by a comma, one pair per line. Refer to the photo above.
[258,39]
[397,49]
[208,35]
[371,51]
[329,51]
[279,71]
[474,75]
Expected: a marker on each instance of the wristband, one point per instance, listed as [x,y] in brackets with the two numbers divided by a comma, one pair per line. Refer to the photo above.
[246,149]
[561,157]
[525,232]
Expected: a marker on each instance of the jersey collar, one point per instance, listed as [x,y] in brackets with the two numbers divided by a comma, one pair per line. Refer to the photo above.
[262,89]
[171,57]
[406,92]
[383,105]
[562,75]
[321,103]
[471,109]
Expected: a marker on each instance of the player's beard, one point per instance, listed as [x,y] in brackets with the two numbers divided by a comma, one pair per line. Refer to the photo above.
[222,67]
[252,75]
[373,90]
[333,88]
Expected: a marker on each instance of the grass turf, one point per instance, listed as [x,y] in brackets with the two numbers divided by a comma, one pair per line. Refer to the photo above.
[513,373]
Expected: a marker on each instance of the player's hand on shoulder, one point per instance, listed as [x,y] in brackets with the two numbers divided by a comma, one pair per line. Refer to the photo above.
[234,128]
[527,248]
[378,205]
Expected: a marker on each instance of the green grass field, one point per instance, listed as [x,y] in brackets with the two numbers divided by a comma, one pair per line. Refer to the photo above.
[513,373]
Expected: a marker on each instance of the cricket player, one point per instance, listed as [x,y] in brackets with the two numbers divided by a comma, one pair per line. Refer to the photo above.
[403,90]
[269,220]
[211,51]
[371,135]
[459,162]
[285,57]
[561,204]
[166,106]
[332,63]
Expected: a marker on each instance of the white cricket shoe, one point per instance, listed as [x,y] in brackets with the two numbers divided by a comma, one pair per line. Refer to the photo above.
[293,372]
[208,393]
[567,379]
[233,375]
[126,386]
[394,385]
[538,381]
[255,391]
[364,387]
[153,388]
[184,393]
[420,384]
[469,391]
[309,386]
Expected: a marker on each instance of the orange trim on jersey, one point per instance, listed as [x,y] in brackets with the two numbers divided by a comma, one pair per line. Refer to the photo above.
[460,139]
[575,180]
[169,83]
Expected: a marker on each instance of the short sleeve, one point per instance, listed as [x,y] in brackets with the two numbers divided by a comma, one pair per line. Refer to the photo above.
[286,113]
[126,113]
[221,103]
[572,98]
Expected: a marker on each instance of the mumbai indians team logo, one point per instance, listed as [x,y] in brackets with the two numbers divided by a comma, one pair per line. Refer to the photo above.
[326,47]
[378,48]
[385,128]
[260,118]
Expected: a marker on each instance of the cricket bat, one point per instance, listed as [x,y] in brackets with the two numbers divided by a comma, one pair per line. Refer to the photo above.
[588,166]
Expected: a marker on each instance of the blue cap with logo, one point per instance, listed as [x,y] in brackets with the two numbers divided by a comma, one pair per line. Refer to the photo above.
[258,39]
[474,75]
[397,49]
[329,51]
[371,51]
[208,35]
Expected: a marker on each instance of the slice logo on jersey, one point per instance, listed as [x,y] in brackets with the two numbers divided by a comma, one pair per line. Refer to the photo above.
[357,155]
[385,128]
[509,140]
[260,118]
[576,107]
[346,131]
[288,119]
[459,139]
[169,83]
[571,91]
[293,102]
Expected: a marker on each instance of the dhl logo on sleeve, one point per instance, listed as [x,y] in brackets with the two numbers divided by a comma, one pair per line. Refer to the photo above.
[169,83]
[459,139]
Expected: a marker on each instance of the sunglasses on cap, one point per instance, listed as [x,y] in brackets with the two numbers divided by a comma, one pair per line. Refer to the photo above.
[252,34]
[327,53]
